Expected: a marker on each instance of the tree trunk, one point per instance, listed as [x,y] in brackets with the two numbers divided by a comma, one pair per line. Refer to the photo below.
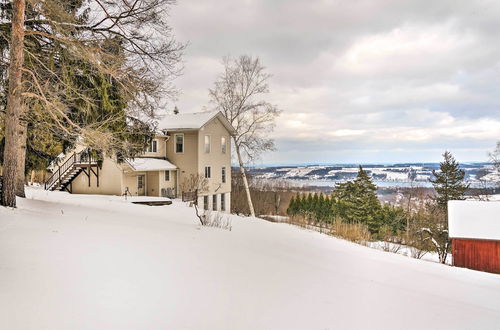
[14,106]
[245,181]
[32,179]
[21,160]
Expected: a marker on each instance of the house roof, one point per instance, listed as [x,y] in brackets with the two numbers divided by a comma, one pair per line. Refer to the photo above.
[150,164]
[474,219]
[192,121]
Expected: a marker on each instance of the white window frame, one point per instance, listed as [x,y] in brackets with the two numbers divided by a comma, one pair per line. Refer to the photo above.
[207,148]
[145,183]
[223,202]
[175,143]
[205,202]
[165,175]
[223,174]
[223,146]
[154,142]
[208,174]
[214,202]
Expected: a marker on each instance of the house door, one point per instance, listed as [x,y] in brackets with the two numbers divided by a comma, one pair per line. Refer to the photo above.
[141,185]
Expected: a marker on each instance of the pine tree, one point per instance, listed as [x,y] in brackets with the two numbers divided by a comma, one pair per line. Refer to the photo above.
[309,203]
[292,207]
[357,201]
[321,208]
[82,77]
[449,182]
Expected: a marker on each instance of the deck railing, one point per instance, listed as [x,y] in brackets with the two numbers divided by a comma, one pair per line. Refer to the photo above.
[189,196]
[82,157]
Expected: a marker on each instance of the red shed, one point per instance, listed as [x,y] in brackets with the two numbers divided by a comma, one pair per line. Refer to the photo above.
[474,227]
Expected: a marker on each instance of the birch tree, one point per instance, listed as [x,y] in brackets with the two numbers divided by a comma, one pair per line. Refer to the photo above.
[495,159]
[239,93]
[91,68]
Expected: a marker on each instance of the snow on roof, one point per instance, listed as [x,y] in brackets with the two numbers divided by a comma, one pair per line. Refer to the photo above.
[150,164]
[474,219]
[186,120]
[189,121]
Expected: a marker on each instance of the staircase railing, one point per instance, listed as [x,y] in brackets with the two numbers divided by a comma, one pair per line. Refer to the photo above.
[76,158]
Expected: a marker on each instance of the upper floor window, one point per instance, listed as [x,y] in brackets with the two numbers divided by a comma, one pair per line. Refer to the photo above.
[223,174]
[223,144]
[207,144]
[179,143]
[167,175]
[208,173]
[153,146]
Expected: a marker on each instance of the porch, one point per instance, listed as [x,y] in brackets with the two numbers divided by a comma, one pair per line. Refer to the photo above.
[151,177]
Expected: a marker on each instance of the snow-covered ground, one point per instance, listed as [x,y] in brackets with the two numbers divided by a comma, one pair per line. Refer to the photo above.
[99,262]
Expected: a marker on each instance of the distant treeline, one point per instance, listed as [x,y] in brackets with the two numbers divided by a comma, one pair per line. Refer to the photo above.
[353,202]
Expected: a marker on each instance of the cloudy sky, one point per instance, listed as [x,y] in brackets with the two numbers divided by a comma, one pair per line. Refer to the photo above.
[359,80]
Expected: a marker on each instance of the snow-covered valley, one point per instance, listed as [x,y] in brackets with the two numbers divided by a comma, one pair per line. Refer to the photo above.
[100,262]
[406,174]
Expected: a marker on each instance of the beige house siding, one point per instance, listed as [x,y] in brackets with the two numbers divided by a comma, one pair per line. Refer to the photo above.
[160,150]
[114,179]
[155,182]
[110,180]
[130,182]
[218,206]
[187,161]
[215,158]
[172,183]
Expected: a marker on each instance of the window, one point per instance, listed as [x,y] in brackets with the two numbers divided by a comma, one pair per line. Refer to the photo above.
[179,143]
[223,144]
[140,181]
[167,175]
[207,172]
[223,174]
[153,146]
[214,202]
[222,202]
[205,202]
[207,144]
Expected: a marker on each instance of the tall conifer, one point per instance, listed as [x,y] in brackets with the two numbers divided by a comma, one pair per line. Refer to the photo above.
[449,181]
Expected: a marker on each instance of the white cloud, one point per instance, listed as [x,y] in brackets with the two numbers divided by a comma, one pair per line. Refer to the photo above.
[409,48]
[357,78]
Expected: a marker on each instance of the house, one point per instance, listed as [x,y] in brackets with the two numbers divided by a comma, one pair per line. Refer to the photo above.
[185,145]
[474,227]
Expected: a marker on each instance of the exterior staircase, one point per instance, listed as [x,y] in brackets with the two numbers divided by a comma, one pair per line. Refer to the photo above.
[79,162]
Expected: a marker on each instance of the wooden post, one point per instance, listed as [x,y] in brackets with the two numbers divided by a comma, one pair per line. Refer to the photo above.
[97,176]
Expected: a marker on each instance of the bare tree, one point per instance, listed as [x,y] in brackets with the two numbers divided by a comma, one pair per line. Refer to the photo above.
[239,94]
[90,68]
[495,159]
[193,187]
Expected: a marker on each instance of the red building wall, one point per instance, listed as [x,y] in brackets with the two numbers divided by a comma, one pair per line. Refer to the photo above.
[483,255]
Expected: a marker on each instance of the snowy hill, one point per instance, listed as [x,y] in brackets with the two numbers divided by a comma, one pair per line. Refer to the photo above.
[475,173]
[99,262]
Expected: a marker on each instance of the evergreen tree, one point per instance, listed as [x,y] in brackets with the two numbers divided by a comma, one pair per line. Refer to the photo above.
[321,208]
[308,208]
[87,72]
[357,201]
[291,211]
[449,182]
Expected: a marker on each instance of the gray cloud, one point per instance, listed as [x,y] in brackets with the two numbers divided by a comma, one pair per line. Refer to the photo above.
[358,80]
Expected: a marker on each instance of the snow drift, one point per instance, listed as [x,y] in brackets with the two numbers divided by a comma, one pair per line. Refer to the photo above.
[99,262]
